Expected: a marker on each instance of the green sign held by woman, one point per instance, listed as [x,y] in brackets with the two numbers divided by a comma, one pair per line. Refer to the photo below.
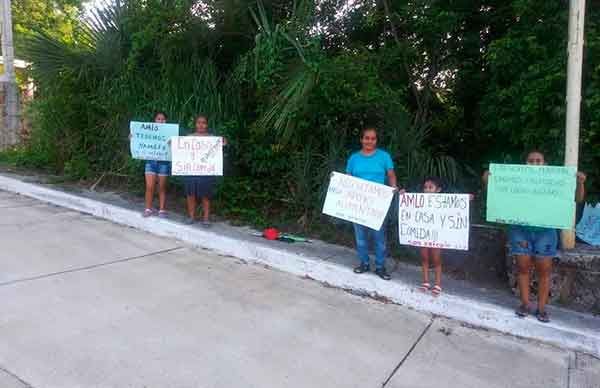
[532,195]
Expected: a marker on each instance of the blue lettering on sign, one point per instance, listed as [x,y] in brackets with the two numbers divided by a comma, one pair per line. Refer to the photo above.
[150,141]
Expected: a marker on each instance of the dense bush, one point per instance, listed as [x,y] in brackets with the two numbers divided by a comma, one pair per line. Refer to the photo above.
[451,85]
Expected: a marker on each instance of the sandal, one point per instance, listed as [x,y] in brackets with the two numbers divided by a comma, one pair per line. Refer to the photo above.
[162,214]
[522,311]
[424,287]
[148,213]
[436,290]
[542,316]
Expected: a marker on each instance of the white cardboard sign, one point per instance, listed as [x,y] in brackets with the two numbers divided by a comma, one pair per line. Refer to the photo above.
[357,200]
[197,155]
[434,220]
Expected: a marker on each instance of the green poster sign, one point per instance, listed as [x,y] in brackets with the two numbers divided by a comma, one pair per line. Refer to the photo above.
[532,195]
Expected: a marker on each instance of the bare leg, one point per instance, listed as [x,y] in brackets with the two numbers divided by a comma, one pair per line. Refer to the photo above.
[425,264]
[544,270]
[436,255]
[191,205]
[524,265]
[162,192]
[206,209]
[150,183]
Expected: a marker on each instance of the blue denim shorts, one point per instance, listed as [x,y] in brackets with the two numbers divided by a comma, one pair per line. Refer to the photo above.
[157,167]
[532,241]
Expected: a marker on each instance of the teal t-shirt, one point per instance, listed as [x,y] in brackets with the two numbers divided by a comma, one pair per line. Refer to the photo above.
[373,168]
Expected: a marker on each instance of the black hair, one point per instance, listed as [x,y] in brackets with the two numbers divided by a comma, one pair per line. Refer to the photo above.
[534,150]
[369,128]
[436,181]
[200,115]
[160,112]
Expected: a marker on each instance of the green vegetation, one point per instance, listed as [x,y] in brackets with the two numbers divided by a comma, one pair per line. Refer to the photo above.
[451,84]
[57,18]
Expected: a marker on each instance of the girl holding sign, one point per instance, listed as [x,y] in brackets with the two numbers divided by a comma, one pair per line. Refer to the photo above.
[431,185]
[535,245]
[154,168]
[197,186]
[375,165]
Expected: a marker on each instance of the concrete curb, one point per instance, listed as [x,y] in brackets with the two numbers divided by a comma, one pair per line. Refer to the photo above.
[469,310]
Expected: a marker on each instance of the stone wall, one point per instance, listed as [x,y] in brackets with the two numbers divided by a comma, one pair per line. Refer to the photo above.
[575,280]
[10,138]
[485,261]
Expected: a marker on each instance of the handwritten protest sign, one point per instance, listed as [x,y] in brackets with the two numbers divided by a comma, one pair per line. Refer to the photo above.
[434,220]
[588,228]
[357,200]
[149,140]
[197,155]
[532,195]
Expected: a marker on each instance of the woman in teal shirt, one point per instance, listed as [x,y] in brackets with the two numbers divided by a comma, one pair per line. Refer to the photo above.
[374,165]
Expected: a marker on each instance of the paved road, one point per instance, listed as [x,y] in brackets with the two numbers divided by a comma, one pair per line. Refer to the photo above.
[87,303]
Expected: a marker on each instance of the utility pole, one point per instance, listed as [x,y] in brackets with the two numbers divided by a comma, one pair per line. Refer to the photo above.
[574,70]
[8,81]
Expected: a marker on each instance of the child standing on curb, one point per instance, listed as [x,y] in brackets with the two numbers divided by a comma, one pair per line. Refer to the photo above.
[431,185]
[152,169]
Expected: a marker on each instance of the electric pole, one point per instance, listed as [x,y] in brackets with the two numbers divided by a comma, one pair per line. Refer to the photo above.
[574,70]
[8,81]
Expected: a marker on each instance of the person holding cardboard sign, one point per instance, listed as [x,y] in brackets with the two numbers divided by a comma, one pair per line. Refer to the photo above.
[152,170]
[535,245]
[375,165]
[431,185]
[200,186]
[433,221]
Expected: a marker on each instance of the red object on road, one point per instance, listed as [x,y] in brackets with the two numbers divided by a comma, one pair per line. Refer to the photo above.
[271,234]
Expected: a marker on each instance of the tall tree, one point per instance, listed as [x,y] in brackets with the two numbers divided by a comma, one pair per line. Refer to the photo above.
[56,18]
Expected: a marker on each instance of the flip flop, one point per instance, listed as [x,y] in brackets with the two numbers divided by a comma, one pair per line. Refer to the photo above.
[522,311]
[542,316]
[424,287]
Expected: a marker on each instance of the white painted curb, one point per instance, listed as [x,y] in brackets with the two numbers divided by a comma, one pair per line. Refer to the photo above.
[470,311]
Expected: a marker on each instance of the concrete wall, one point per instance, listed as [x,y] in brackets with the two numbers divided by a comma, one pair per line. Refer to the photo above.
[25,88]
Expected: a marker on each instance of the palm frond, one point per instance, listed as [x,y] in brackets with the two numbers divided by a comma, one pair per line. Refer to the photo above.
[96,48]
[51,57]
[282,116]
